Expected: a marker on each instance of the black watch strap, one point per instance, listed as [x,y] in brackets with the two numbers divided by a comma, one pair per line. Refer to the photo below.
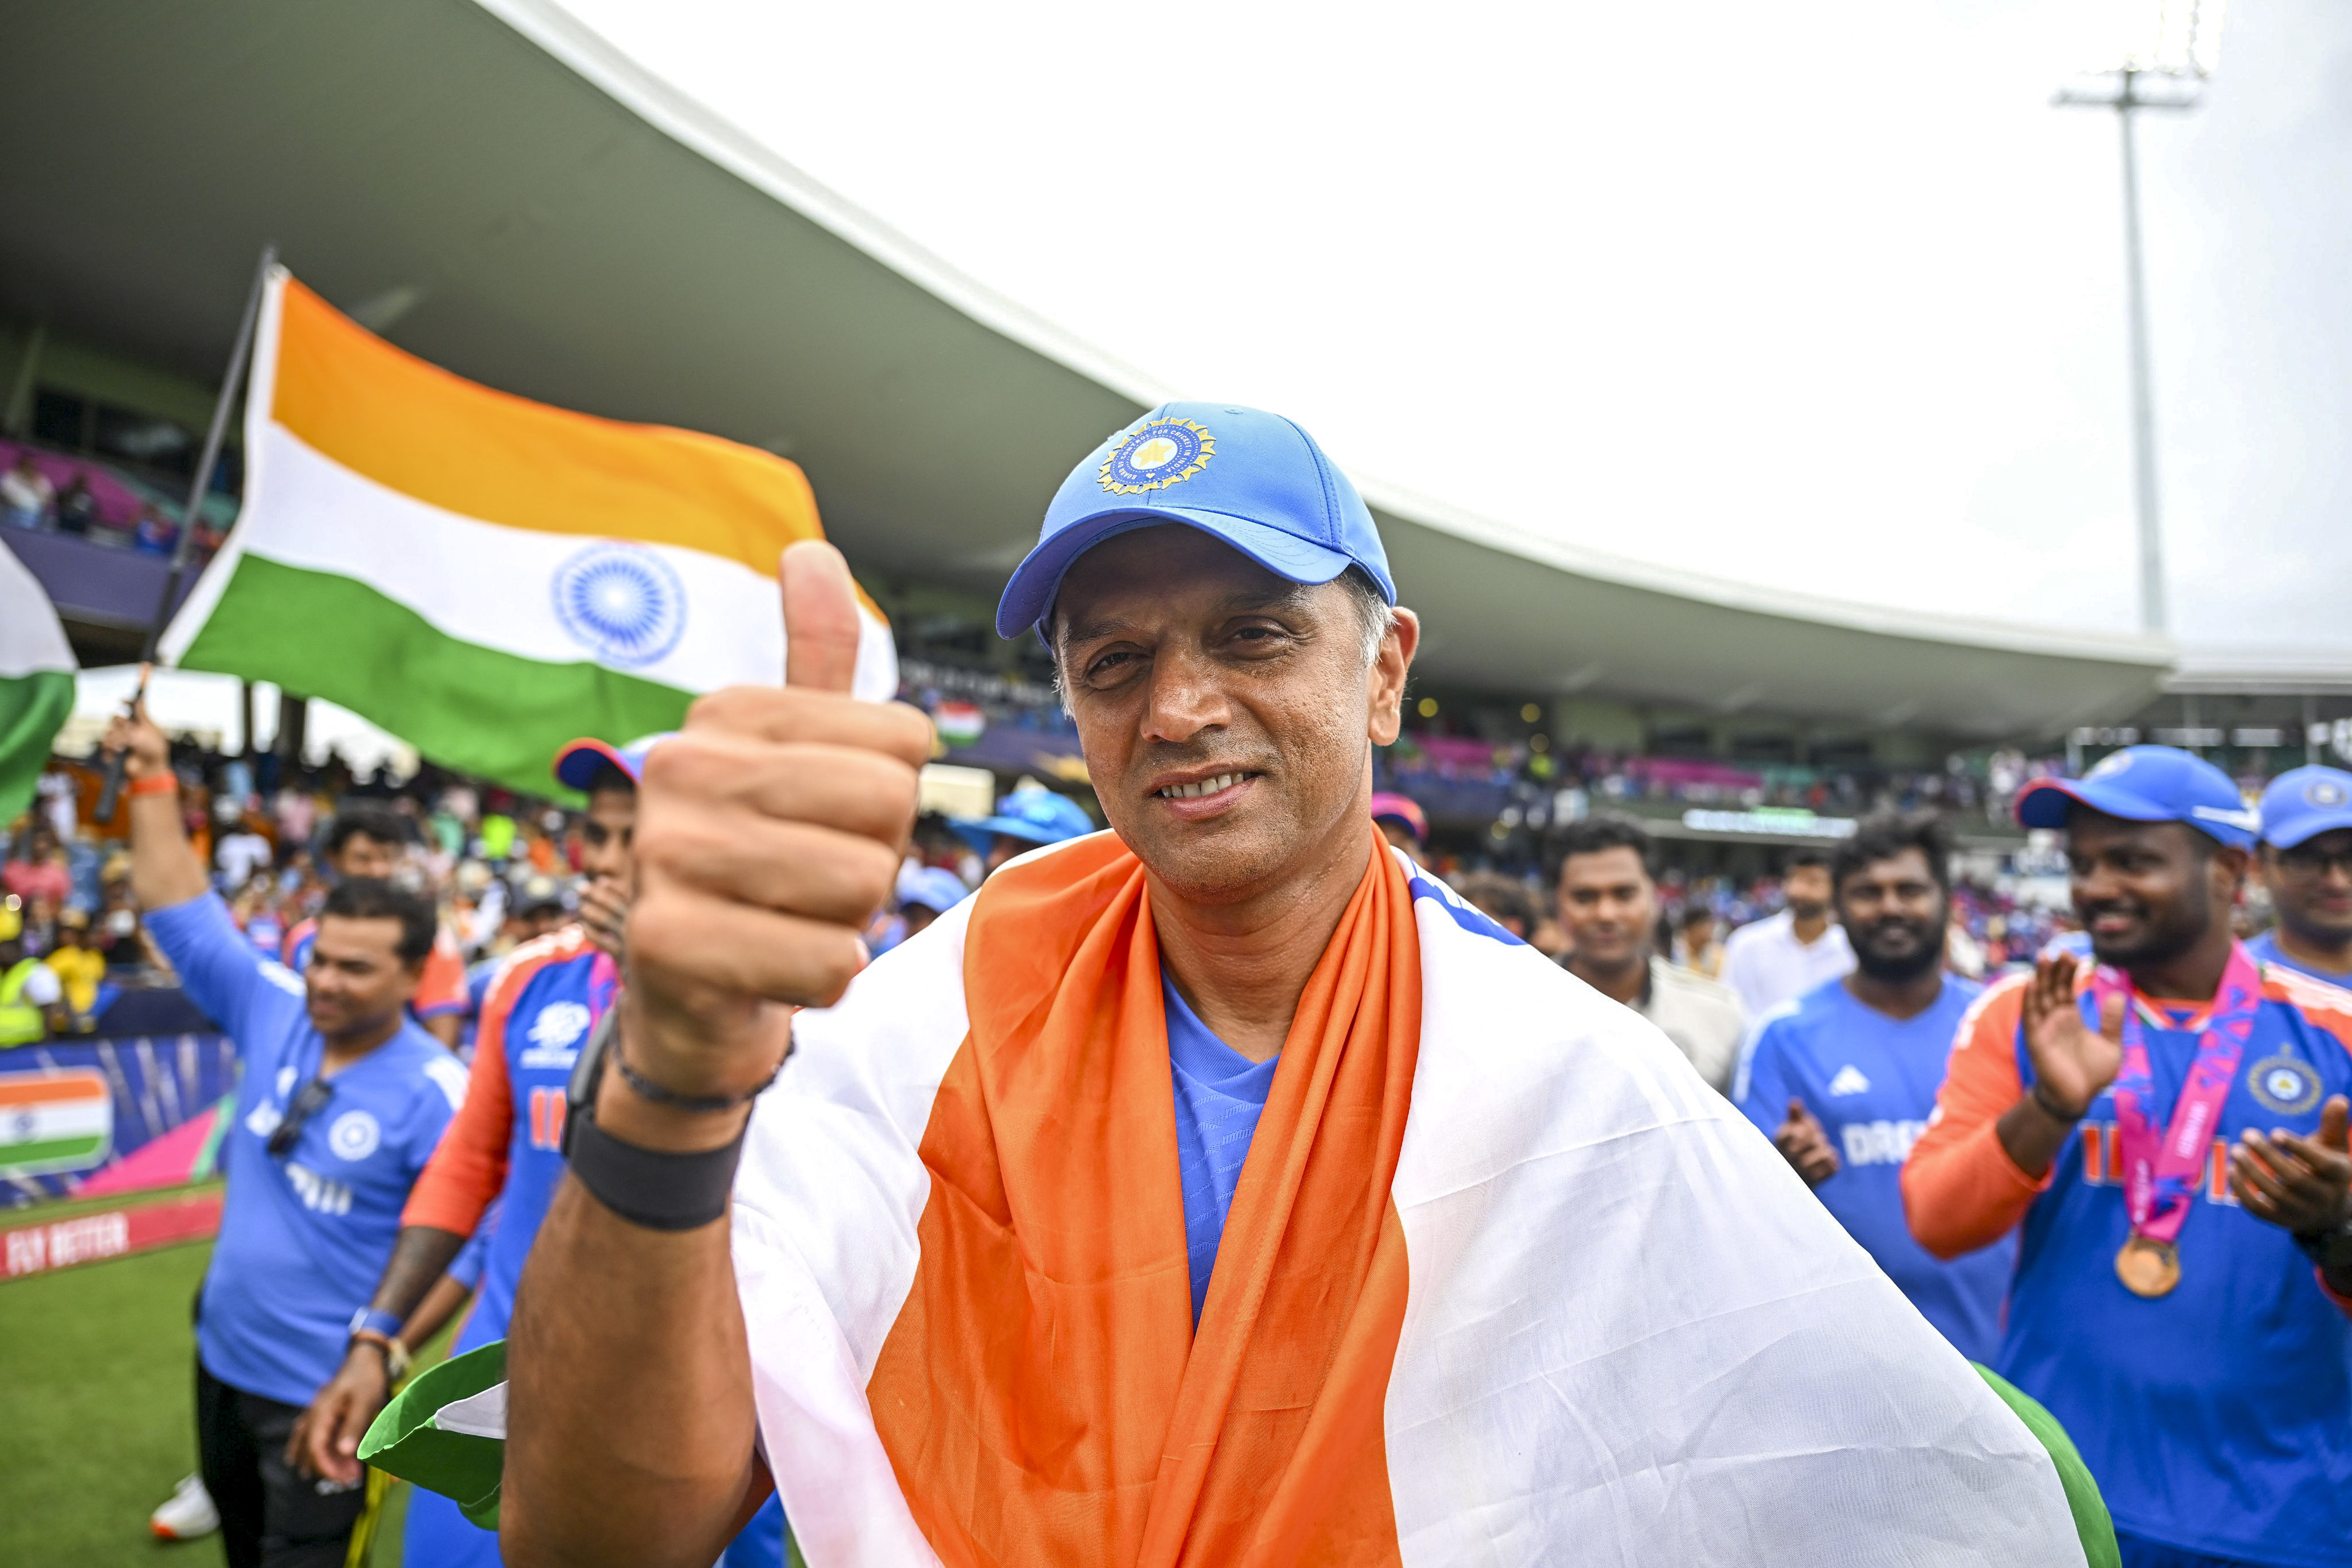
[651,1187]
[2329,1249]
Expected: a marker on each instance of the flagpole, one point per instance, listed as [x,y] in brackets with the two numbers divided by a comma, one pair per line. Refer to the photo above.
[184,546]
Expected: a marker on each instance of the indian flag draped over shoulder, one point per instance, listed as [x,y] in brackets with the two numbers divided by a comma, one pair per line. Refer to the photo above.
[485,576]
[36,682]
[1502,1281]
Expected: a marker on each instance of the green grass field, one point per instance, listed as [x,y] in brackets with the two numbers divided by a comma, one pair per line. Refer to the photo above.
[96,1422]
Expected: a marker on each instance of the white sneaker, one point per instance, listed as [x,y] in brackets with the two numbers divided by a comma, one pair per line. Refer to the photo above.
[187,1514]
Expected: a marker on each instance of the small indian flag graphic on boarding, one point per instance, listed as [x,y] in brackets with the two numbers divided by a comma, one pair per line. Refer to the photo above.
[52,1122]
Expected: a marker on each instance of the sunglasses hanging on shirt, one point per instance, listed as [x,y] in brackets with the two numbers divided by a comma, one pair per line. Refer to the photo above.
[307,1102]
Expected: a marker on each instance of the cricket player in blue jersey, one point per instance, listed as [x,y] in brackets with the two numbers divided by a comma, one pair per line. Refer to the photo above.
[2306,862]
[1843,1079]
[2169,1128]
[343,1099]
[506,1147]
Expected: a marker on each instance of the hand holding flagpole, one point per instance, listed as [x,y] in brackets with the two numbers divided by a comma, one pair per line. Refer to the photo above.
[112,789]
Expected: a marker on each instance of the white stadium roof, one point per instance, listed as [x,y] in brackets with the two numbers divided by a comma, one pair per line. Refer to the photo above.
[505,194]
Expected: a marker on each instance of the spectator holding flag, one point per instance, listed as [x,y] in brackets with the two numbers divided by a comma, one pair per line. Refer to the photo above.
[343,1099]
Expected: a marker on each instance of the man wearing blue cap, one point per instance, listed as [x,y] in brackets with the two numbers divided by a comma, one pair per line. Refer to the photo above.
[2169,1130]
[1217,1189]
[2306,862]
[1026,819]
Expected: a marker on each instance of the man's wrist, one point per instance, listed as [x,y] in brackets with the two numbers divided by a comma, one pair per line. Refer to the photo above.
[627,1115]
[394,1351]
[2330,1245]
[387,1325]
[2043,1103]
[644,1099]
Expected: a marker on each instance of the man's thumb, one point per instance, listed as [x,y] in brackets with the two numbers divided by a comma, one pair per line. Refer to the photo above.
[2334,1120]
[820,620]
[2111,1017]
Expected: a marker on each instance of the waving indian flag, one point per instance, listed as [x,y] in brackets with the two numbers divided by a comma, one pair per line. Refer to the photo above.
[36,682]
[482,575]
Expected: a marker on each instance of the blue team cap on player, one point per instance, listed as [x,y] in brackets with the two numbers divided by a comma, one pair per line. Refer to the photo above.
[2303,803]
[930,888]
[577,766]
[1253,479]
[1035,815]
[2146,783]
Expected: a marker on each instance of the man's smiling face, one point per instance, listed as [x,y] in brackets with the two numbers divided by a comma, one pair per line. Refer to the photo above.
[1226,713]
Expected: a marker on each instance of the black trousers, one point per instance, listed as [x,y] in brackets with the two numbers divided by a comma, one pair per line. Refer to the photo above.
[272,1516]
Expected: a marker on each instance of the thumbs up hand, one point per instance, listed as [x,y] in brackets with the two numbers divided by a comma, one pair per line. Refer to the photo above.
[769,831]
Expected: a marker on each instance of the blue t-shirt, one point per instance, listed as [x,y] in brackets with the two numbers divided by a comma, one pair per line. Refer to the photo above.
[1220,1094]
[2265,949]
[303,1239]
[1871,1081]
[2217,1418]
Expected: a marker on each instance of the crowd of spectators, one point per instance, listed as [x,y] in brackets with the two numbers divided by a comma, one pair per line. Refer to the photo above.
[47,493]
[496,863]
[500,867]
[1564,783]
[1534,783]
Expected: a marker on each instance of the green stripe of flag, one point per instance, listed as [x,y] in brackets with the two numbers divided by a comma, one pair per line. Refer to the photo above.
[462,706]
[51,1154]
[32,709]
[2093,1526]
[461,1466]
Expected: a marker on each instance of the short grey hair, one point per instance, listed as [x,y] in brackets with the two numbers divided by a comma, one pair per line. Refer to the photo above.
[1373,614]
[1374,620]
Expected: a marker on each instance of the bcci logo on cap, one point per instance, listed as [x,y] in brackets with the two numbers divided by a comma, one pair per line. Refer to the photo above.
[2326,794]
[622,603]
[1163,453]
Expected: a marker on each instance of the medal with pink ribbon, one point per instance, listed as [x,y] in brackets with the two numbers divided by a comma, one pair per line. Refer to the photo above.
[2161,1175]
[604,980]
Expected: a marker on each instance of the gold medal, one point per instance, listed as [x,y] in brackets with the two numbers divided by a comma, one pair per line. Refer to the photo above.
[2148,1268]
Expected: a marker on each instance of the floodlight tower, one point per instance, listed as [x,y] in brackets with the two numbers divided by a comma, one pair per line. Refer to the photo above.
[2179,42]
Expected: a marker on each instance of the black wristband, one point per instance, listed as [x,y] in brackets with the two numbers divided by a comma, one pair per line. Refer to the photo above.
[654,1093]
[2051,1110]
[2329,1249]
[654,1188]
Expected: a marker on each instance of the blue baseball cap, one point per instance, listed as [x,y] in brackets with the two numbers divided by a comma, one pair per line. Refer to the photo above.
[1037,815]
[930,888]
[2146,783]
[1253,479]
[577,764]
[2303,803]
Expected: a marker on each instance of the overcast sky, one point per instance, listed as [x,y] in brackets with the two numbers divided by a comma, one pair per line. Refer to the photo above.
[1825,296]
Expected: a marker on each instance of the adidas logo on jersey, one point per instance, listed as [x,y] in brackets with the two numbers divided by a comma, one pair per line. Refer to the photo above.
[1849,1080]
